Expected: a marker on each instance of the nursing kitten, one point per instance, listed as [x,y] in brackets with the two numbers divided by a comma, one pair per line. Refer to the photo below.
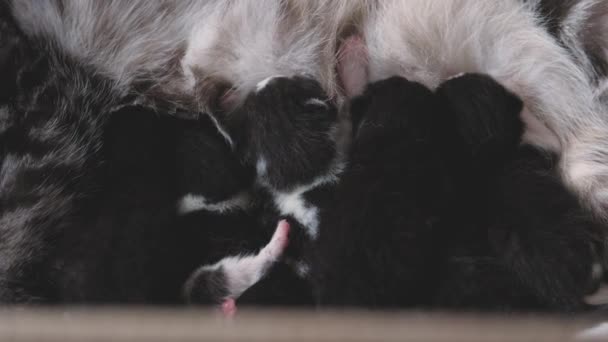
[411,160]
[523,240]
[146,229]
[288,129]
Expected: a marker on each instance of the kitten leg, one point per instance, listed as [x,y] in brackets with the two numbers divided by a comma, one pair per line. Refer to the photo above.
[229,308]
[227,279]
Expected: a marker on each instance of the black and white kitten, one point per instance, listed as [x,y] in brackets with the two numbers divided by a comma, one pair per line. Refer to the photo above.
[290,131]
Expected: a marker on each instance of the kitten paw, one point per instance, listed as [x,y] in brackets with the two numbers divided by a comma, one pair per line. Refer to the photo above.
[279,241]
[228,308]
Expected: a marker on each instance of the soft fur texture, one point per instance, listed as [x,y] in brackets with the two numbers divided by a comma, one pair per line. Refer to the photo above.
[73,63]
[50,138]
[477,222]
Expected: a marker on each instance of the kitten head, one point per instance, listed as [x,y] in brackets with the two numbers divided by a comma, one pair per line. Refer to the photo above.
[484,116]
[394,107]
[210,175]
[288,130]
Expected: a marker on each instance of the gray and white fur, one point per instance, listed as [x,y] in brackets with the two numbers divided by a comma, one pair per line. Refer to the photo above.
[208,55]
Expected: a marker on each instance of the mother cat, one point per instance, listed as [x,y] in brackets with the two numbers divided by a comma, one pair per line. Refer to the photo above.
[205,56]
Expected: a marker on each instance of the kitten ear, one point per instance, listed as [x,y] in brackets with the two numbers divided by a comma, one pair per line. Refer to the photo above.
[485,114]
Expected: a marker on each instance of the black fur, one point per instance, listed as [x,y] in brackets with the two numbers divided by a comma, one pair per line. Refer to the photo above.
[379,244]
[522,232]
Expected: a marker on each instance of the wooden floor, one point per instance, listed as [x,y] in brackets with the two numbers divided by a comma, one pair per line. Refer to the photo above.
[151,325]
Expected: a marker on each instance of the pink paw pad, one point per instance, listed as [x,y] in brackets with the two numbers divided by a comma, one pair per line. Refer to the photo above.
[229,308]
[281,235]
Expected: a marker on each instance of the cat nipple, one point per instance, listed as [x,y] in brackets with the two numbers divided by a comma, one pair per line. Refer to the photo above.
[352,65]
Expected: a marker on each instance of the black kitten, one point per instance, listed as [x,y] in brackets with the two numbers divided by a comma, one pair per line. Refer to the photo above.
[520,239]
[378,240]
[139,238]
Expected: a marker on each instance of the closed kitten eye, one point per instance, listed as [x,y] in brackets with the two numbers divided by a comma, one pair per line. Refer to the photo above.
[316,102]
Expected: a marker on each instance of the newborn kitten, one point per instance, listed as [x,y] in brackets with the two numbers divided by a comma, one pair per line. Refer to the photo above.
[378,242]
[524,242]
[133,242]
[290,131]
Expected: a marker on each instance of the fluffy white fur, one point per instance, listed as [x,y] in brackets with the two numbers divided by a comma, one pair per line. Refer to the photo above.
[598,332]
[192,202]
[189,48]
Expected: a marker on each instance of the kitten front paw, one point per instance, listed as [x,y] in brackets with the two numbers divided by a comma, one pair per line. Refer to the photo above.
[228,308]
[279,241]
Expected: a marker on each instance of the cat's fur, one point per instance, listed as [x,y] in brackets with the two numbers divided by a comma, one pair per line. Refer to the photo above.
[288,130]
[77,60]
[51,127]
[524,241]
[88,203]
